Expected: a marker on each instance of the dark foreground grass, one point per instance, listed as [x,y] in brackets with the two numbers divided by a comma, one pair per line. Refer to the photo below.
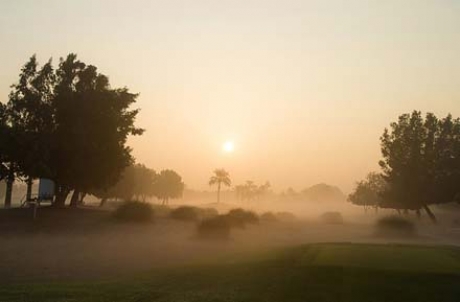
[319,272]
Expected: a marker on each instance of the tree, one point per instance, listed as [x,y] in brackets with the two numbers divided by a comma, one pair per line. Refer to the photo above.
[168,184]
[368,192]
[136,182]
[29,115]
[5,156]
[71,127]
[94,123]
[220,177]
[421,162]
[250,190]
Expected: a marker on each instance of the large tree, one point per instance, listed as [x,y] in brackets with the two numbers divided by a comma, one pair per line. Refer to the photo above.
[94,122]
[71,126]
[29,114]
[220,177]
[421,162]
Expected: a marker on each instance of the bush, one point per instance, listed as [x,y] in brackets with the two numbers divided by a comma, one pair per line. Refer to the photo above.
[268,217]
[395,226]
[332,218]
[239,218]
[285,216]
[161,210]
[214,228]
[134,211]
[208,213]
[186,213]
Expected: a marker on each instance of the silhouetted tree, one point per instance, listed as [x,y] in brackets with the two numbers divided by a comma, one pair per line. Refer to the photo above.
[29,115]
[250,190]
[421,162]
[168,184]
[368,192]
[220,177]
[6,151]
[136,182]
[71,126]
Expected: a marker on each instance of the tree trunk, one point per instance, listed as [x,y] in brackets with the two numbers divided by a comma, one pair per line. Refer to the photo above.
[8,193]
[418,213]
[218,192]
[82,197]
[9,187]
[61,196]
[30,182]
[103,201]
[75,198]
[430,214]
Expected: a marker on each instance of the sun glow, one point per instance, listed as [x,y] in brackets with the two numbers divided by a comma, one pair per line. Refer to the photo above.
[228,147]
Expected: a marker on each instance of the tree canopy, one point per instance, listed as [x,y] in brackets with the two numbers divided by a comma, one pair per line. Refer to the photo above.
[368,192]
[219,178]
[168,184]
[421,161]
[69,125]
[250,190]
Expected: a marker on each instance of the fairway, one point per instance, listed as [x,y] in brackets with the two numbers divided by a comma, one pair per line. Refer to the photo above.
[315,272]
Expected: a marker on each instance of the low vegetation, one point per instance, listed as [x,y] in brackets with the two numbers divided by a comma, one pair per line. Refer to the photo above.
[395,226]
[240,218]
[217,227]
[331,218]
[285,216]
[185,213]
[134,211]
[316,272]
[268,217]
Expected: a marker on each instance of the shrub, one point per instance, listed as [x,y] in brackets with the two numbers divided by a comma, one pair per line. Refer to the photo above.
[214,228]
[161,210]
[134,211]
[395,226]
[332,218]
[186,213]
[268,217]
[285,216]
[208,213]
[239,218]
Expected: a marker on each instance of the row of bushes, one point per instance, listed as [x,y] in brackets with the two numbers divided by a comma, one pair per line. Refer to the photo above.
[214,226]
[219,227]
[132,211]
[211,224]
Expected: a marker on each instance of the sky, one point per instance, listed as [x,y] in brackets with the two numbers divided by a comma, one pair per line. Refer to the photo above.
[302,88]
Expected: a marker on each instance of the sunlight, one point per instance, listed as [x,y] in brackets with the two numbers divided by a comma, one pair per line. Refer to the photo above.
[228,147]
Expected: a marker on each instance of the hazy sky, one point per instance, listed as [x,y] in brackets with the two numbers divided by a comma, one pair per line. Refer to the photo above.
[303,88]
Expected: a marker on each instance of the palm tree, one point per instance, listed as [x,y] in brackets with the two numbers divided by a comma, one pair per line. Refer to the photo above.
[220,177]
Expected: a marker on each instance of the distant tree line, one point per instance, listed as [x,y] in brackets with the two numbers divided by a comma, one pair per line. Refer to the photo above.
[420,165]
[251,191]
[138,182]
[68,125]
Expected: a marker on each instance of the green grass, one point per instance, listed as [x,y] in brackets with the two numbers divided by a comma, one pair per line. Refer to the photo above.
[318,272]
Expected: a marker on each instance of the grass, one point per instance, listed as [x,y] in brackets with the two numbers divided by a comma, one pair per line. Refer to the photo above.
[317,272]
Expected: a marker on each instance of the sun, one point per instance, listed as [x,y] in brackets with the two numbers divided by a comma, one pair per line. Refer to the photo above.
[228,147]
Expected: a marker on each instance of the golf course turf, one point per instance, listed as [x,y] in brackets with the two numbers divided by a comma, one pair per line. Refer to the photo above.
[314,272]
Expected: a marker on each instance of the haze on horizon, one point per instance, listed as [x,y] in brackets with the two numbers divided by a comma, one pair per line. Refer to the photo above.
[303,89]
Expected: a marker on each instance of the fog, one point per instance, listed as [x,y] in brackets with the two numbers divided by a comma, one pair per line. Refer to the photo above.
[84,244]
